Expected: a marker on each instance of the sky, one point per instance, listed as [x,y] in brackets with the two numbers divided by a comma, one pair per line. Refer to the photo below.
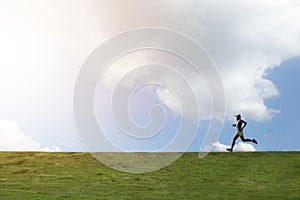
[254,45]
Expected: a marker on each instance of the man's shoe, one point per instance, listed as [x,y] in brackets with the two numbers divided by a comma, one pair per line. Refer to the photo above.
[254,140]
[229,149]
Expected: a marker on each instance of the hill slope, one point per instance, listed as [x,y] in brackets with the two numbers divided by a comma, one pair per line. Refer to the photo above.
[259,175]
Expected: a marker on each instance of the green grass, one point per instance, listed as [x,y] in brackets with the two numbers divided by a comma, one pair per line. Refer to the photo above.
[259,175]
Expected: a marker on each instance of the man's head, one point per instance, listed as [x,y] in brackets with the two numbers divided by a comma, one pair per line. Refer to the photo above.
[238,116]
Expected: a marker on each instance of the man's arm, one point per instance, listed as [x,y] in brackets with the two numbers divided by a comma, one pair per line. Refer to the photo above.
[244,124]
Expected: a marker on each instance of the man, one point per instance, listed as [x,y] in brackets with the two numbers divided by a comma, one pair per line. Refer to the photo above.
[240,125]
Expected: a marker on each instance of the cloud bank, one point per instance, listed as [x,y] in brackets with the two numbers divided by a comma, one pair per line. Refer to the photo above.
[246,39]
[240,146]
[13,139]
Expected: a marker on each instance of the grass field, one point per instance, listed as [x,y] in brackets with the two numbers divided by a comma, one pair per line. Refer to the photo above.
[258,175]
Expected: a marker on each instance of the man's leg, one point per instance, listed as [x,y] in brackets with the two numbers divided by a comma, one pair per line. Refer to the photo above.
[248,140]
[233,142]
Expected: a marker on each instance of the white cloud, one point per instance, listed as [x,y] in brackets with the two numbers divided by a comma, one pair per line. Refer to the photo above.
[240,146]
[220,147]
[41,54]
[168,98]
[13,139]
[244,38]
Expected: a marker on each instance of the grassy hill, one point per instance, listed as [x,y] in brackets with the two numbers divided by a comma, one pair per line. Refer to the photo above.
[258,175]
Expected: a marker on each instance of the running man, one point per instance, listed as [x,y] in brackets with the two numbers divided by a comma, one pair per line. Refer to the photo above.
[240,125]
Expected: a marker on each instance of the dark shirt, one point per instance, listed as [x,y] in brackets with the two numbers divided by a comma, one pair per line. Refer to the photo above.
[239,124]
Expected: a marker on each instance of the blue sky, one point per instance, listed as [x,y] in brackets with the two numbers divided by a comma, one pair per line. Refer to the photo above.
[281,132]
[254,45]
